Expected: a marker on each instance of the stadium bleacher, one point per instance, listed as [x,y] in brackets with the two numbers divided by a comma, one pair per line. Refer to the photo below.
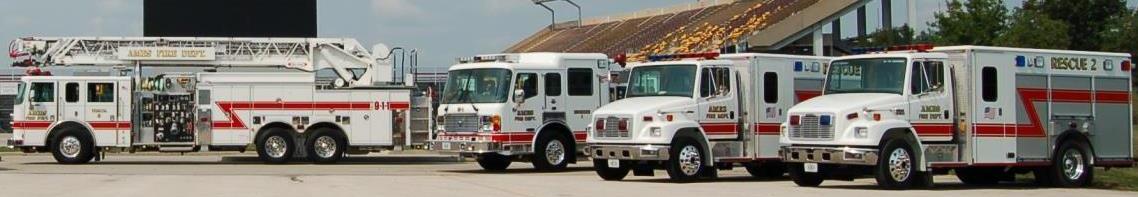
[698,27]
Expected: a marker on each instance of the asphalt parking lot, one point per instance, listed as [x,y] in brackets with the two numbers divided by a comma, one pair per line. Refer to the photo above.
[411,175]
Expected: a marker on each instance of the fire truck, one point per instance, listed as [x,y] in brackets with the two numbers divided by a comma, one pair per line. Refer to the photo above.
[693,114]
[986,113]
[521,107]
[283,114]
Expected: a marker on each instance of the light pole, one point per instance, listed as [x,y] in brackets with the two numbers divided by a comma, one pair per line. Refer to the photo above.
[553,14]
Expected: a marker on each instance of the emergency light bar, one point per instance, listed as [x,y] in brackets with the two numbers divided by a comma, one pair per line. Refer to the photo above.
[488,58]
[707,55]
[910,47]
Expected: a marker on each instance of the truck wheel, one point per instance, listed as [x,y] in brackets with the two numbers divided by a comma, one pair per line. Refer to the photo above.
[551,153]
[686,162]
[1071,166]
[73,146]
[493,161]
[897,168]
[765,170]
[978,176]
[611,174]
[275,147]
[803,178]
[325,146]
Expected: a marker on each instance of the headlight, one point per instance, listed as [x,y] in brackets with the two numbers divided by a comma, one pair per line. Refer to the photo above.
[655,132]
[861,132]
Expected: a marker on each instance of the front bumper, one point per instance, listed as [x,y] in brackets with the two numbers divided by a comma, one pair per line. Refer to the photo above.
[469,148]
[15,142]
[829,155]
[629,152]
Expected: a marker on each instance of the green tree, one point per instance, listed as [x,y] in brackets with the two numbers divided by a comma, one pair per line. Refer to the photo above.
[1031,28]
[886,37]
[976,22]
[1120,33]
[1085,18]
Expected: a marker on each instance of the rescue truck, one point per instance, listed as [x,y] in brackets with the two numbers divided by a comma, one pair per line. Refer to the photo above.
[986,113]
[693,114]
[283,114]
[521,107]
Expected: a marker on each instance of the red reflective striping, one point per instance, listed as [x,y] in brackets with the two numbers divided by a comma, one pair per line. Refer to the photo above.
[110,125]
[235,122]
[933,129]
[31,124]
[992,130]
[97,125]
[767,128]
[806,94]
[400,105]
[509,137]
[719,128]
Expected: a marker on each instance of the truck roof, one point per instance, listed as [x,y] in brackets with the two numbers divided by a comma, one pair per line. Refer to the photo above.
[1023,50]
[768,55]
[537,60]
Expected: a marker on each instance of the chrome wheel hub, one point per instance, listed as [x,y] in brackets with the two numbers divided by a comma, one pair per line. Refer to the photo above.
[555,152]
[325,146]
[899,165]
[1073,165]
[70,146]
[690,160]
[275,146]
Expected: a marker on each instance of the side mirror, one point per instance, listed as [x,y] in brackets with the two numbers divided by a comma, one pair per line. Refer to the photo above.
[519,96]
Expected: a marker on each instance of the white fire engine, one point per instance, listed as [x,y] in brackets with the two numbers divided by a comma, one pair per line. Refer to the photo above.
[986,113]
[526,106]
[695,114]
[284,114]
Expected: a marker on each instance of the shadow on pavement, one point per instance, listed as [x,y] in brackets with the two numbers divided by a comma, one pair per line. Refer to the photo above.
[664,179]
[945,187]
[521,170]
[247,160]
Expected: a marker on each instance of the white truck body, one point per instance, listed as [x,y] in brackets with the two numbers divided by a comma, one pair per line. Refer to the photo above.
[1002,110]
[284,114]
[731,106]
[507,107]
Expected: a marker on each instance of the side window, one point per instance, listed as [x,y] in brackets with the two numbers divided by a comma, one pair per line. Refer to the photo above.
[770,87]
[553,84]
[580,81]
[927,76]
[988,83]
[100,92]
[722,81]
[71,92]
[705,86]
[43,92]
[528,83]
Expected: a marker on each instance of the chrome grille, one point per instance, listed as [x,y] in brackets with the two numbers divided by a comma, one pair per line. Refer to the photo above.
[461,122]
[611,129]
[809,129]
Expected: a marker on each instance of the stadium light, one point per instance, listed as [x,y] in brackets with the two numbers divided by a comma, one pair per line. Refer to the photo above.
[553,14]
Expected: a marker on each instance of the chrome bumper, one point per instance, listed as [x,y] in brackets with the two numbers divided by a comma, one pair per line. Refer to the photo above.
[829,155]
[629,152]
[478,147]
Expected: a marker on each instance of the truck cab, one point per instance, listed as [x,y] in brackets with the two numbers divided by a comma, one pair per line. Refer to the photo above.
[521,107]
[690,114]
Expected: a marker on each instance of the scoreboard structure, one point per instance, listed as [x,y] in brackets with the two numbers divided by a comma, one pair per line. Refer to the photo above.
[229,18]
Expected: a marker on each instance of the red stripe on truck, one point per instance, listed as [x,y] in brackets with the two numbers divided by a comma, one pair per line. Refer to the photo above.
[234,122]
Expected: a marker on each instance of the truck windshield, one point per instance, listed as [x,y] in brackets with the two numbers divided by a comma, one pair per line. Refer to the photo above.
[20,92]
[871,75]
[490,85]
[664,80]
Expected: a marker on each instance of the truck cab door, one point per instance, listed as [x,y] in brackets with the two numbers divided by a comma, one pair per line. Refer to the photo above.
[42,100]
[72,107]
[101,110]
[529,103]
[555,103]
[930,100]
[718,106]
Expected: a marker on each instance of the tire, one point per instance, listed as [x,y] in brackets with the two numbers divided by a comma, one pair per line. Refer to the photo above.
[325,146]
[686,162]
[1071,166]
[610,174]
[493,162]
[73,146]
[276,146]
[552,152]
[803,178]
[896,168]
[979,176]
[765,170]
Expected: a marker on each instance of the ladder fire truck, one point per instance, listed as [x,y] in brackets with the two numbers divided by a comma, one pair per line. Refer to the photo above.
[525,106]
[696,113]
[986,113]
[283,114]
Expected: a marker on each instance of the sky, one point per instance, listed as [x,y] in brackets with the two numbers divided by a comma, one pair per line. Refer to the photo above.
[441,30]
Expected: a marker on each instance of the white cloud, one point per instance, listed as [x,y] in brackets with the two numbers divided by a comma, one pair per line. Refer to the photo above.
[396,8]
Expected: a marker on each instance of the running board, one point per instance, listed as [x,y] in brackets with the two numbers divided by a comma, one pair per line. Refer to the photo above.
[175,148]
